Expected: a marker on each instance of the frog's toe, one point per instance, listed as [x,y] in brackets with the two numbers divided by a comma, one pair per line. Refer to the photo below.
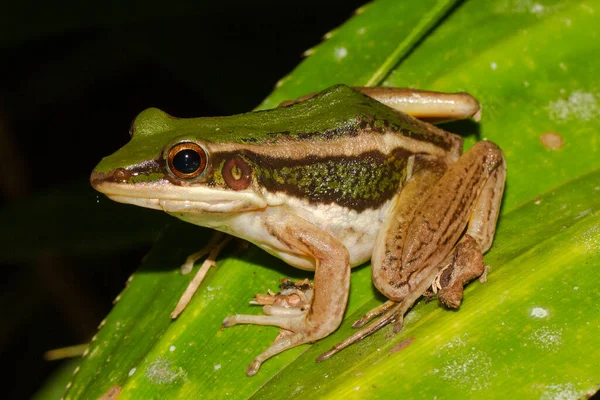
[253,368]
[187,266]
[376,312]
[284,311]
[286,340]
[291,322]
[391,314]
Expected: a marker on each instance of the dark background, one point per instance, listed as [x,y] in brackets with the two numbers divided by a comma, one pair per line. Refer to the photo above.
[72,78]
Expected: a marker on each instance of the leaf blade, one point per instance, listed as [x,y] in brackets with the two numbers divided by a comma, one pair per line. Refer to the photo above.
[530,232]
[361,53]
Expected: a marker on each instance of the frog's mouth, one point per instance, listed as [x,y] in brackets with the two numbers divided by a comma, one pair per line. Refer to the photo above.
[162,195]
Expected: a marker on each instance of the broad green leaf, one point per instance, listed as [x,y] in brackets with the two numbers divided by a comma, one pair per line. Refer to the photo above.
[534,70]
[531,331]
[364,50]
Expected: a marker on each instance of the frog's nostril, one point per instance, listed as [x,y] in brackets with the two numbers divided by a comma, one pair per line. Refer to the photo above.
[119,175]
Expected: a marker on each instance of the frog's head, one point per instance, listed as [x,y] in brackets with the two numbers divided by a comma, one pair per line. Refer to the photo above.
[178,165]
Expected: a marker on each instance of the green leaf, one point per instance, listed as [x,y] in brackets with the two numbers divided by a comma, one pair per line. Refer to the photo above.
[531,330]
[364,50]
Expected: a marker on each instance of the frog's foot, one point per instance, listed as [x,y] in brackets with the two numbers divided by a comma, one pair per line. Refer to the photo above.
[286,309]
[295,330]
[214,247]
[464,264]
[389,316]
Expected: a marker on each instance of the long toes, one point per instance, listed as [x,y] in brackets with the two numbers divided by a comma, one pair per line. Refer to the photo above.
[376,312]
[387,318]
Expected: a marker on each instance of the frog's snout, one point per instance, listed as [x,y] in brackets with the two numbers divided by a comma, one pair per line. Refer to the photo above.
[119,175]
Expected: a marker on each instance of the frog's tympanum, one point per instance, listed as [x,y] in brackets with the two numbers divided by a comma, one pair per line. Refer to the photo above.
[325,183]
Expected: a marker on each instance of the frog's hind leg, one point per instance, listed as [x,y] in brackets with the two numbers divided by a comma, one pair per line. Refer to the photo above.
[426,105]
[467,196]
[330,293]
[417,245]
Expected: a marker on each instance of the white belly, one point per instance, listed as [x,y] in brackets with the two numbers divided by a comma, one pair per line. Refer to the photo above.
[356,231]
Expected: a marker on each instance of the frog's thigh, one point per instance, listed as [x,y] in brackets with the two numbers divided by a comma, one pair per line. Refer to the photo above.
[470,192]
[331,288]
[482,225]
[388,274]
[426,105]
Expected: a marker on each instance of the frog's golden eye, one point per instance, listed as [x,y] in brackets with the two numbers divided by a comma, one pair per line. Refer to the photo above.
[237,173]
[187,160]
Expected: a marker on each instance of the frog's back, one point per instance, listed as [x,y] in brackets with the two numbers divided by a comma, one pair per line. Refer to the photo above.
[338,147]
[338,111]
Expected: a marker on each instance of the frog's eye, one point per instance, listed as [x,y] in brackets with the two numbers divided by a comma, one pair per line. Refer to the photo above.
[237,173]
[186,160]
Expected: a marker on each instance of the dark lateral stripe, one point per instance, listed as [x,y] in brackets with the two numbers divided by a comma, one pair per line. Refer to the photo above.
[358,182]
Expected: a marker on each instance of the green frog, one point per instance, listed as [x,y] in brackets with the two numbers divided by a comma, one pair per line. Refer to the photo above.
[327,182]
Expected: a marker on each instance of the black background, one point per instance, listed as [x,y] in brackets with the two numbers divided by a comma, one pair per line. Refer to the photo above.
[72,78]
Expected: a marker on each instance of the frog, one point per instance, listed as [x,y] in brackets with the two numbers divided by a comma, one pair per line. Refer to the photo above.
[326,183]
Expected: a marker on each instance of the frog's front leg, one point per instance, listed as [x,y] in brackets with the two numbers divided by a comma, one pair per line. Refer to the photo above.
[331,288]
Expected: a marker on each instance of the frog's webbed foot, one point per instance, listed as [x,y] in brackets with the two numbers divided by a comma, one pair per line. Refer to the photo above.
[389,316]
[213,248]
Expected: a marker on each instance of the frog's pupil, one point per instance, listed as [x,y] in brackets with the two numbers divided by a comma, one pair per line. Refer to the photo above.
[236,172]
[187,161]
